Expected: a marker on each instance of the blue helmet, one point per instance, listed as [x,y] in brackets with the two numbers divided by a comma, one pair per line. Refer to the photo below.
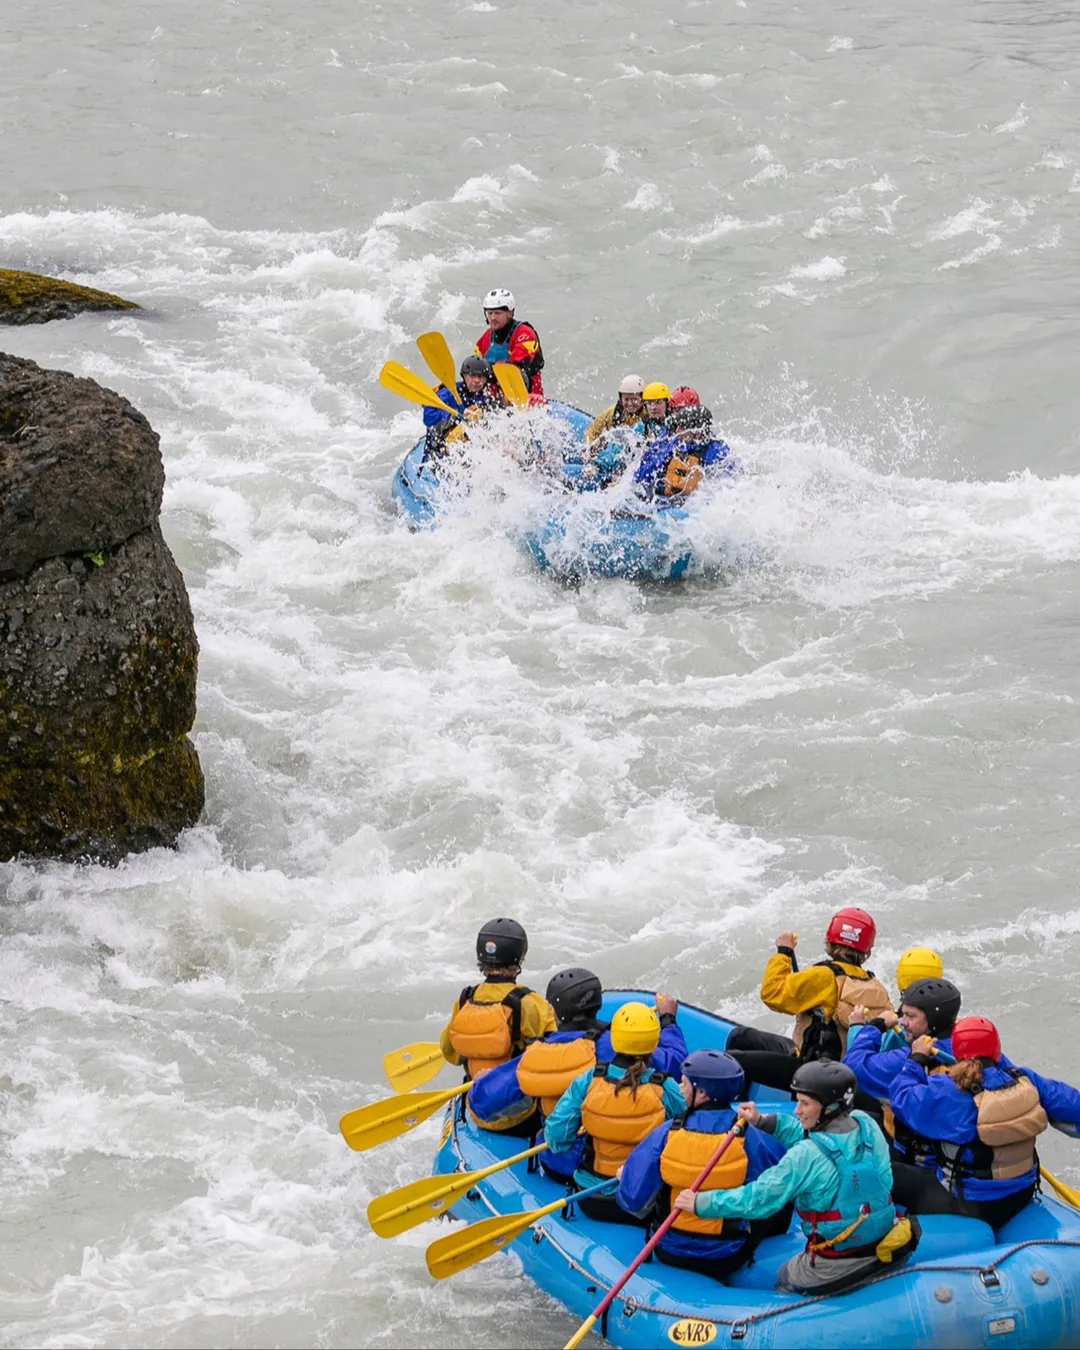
[717,1075]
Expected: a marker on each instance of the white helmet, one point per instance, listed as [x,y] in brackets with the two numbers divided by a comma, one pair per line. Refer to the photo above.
[500,298]
[631,384]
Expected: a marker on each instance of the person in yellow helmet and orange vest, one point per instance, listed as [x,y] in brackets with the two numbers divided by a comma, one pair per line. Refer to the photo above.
[674,1155]
[547,1068]
[495,1020]
[617,1104]
[822,998]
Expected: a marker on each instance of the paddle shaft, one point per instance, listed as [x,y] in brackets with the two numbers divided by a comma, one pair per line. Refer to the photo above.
[609,1298]
[1063,1191]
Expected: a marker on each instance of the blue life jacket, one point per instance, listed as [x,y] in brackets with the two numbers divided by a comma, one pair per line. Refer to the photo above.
[863,1211]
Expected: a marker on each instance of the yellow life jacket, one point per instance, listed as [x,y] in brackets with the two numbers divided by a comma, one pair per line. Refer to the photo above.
[826,1036]
[615,1121]
[684,1156]
[485,1034]
[547,1069]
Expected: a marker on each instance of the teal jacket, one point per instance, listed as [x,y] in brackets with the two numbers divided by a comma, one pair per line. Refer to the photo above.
[561,1127]
[804,1174]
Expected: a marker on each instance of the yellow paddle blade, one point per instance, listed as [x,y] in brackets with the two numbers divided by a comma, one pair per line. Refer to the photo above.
[368,1126]
[582,1331]
[409,386]
[1064,1192]
[407,1207]
[512,383]
[458,1251]
[435,350]
[413,1065]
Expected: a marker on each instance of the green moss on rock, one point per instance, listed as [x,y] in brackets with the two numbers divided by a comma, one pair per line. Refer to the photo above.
[26,297]
[92,810]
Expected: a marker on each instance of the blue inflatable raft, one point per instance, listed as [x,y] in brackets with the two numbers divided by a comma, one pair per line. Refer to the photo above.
[578,536]
[965,1286]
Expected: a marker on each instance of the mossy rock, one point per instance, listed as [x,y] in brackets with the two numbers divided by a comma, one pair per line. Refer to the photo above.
[100,810]
[26,297]
[80,467]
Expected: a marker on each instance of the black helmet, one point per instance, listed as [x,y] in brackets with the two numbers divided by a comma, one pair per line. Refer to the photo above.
[828,1082]
[938,999]
[476,365]
[693,418]
[575,993]
[501,942]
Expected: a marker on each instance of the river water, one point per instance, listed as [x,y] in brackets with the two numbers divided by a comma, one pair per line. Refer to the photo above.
[854,229]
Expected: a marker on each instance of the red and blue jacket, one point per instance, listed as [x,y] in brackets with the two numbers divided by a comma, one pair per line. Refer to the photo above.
[519,344]
[641,1183]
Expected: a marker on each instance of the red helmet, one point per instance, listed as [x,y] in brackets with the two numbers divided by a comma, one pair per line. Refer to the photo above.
[976,1038]
[852,928]
[684,397]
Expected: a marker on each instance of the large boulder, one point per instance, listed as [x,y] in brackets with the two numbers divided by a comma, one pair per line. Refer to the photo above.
[98,653]
[26,297]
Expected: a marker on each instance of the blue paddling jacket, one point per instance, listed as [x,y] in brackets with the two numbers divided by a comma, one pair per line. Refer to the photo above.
[673,1156]
[715,457]
[439,421]
[875,1066]
[500,1094]
[983,1140]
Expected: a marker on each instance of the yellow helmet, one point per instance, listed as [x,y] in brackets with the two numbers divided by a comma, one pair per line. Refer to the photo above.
[918,963]
[635,1030]
[655,390]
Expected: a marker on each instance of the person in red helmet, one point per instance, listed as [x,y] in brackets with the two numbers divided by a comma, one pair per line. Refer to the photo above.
[684,397]
[822,998]
[982,1117]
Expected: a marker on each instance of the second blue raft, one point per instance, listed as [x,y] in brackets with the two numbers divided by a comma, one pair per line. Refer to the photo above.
[577,536]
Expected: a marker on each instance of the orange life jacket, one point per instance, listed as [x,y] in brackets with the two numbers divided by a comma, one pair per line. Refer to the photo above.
[684,1156]
[547,1069]
[487,1034]
[824,1035]
[615,1121]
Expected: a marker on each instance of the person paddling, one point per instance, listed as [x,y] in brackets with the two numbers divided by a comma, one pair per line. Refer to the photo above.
[476,395]
[672,1156]
[618,1104]
[927,1008]
[495,1020]
[547,1068]
[982,1116]
[822,997]
[837,1172]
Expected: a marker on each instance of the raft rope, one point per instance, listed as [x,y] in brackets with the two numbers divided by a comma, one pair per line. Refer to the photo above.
[740,1325]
